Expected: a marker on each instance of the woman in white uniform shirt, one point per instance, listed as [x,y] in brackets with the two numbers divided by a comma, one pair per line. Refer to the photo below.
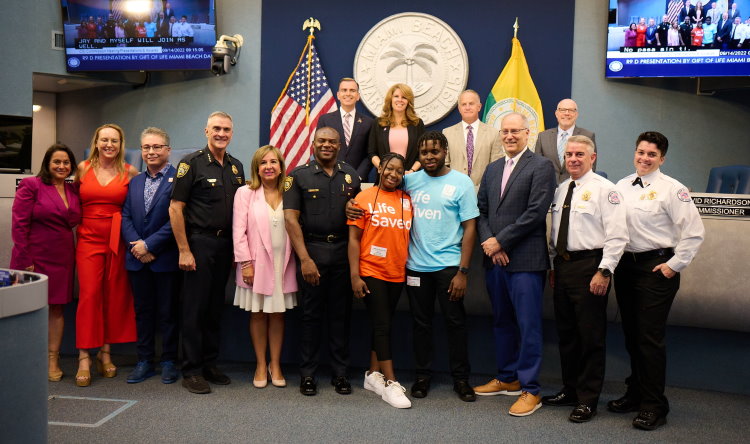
[665,234]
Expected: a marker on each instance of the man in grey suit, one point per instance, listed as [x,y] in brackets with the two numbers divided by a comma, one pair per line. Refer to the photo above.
[472,144]
[514,196]
[354,142]
[551,142]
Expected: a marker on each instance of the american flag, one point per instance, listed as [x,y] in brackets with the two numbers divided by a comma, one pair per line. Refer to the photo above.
[673,9]
[304,99]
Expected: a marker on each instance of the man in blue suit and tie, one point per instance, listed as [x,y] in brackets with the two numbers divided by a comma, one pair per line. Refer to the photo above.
[354,142]
[514,196]
[152,261]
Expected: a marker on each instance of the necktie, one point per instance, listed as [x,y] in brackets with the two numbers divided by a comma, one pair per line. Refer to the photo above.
[561,147]
[470,146]
[562,233]
[506,174]
[638,181]
[347,127]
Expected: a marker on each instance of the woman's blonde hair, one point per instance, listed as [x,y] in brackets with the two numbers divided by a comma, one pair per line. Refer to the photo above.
[254,183]
[387,118]
[94,154]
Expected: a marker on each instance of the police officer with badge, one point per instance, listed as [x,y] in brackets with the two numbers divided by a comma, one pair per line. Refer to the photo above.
[315,195]
[666,232]
[588,237]
[201,216]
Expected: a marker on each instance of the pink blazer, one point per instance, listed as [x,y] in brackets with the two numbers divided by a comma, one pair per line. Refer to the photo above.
[252,242]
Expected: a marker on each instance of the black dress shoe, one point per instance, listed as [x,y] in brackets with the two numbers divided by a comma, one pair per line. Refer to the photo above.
[308,387]
[196,384]
[341,385]
[624,405]
[649,420]
[420,388]
[562,398]
[582,413]
[214,375]
[464,390]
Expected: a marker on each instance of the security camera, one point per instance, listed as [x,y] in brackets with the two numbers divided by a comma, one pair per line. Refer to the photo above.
[225,54]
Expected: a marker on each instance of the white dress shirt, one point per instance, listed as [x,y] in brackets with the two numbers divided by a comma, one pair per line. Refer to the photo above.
[662,215]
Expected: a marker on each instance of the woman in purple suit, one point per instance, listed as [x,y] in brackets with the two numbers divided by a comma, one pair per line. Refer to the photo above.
[45,211]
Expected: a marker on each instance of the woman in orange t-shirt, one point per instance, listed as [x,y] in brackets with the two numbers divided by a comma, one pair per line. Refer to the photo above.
[378,248]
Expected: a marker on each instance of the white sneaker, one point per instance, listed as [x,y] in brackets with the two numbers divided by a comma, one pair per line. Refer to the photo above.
[375,382]
[394,394]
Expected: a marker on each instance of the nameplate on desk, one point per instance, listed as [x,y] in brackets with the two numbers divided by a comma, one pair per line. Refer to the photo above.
[730,206]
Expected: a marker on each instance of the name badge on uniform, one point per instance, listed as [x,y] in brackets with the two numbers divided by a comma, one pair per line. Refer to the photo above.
[378,251]
[412,281]
[211,180]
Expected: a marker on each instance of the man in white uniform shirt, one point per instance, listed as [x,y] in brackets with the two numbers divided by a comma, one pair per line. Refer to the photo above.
[588,237]
[666,232]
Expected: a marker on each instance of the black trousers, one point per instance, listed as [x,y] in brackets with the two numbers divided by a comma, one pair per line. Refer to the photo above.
[645,298]
[203,300]
[332,297]
[581,319]
[434,285]
[155,299]
[381,305]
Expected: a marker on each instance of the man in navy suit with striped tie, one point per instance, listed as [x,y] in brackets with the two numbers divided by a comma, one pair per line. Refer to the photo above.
[514,196]
[352,125]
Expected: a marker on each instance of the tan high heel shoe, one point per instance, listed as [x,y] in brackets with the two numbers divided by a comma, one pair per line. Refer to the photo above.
[54,375]
[83,377]
[276,382]
[107,370]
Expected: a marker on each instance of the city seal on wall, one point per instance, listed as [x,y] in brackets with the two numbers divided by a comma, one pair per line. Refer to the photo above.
[419,50]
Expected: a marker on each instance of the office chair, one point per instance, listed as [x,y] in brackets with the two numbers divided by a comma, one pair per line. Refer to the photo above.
[732,179]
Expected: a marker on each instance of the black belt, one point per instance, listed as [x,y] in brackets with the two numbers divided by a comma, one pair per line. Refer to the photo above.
[582,254]
[212,232]
[646,255]
[330,238]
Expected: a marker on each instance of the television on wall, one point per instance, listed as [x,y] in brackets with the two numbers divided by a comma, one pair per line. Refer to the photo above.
[138,35]
[678,38]
[15,144]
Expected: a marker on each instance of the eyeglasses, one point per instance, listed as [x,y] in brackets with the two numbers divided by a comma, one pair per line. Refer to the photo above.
[567,110]
[515,132]
[156,148]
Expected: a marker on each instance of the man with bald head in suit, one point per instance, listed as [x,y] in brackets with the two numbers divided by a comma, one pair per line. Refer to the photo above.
[551,142]
[472,144]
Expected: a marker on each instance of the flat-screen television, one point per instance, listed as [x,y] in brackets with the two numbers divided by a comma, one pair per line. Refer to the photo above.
[15,144]
[678,38]
[138,35]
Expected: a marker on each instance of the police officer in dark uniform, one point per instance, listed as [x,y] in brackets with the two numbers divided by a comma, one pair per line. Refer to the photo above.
[201,216]
[315,196]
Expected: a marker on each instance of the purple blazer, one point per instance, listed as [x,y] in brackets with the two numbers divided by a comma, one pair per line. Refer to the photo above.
[42,233]
[252,242]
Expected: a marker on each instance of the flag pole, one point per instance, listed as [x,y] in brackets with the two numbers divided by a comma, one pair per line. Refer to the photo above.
[515,29]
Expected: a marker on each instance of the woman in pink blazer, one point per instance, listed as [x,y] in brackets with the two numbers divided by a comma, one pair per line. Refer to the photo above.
[266,272]
[45,211]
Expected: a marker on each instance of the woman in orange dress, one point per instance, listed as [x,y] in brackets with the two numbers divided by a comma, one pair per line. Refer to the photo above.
[105,304]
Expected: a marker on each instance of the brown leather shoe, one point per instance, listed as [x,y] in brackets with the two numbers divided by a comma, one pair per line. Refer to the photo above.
[496,387]
[526,404]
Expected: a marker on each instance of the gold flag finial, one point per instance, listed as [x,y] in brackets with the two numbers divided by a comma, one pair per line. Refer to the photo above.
[515,29]
[312,24]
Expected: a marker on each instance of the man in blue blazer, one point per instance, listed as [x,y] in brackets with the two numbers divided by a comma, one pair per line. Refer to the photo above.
[514,196]
[353,151]
[152,261]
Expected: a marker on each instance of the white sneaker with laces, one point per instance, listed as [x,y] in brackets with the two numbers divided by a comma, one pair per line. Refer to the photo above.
[394,394]
[375,382]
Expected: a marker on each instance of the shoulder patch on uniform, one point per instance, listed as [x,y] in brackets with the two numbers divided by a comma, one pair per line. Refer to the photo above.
[683,194]
[288,183]
[614,198]
[182,169]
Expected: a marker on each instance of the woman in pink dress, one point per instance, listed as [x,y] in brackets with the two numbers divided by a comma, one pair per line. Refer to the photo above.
[106,314]
[630,36]
[45,211]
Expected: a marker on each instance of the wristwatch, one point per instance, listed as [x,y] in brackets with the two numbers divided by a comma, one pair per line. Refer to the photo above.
[605,272]
[463,270]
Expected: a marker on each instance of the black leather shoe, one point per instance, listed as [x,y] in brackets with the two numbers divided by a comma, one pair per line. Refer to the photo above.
[214,375]
[341,385]
[562,398]
[196,384]
[582,413]
[624,405]
[420,388]
[649,420]
[308,387]
[464,390]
